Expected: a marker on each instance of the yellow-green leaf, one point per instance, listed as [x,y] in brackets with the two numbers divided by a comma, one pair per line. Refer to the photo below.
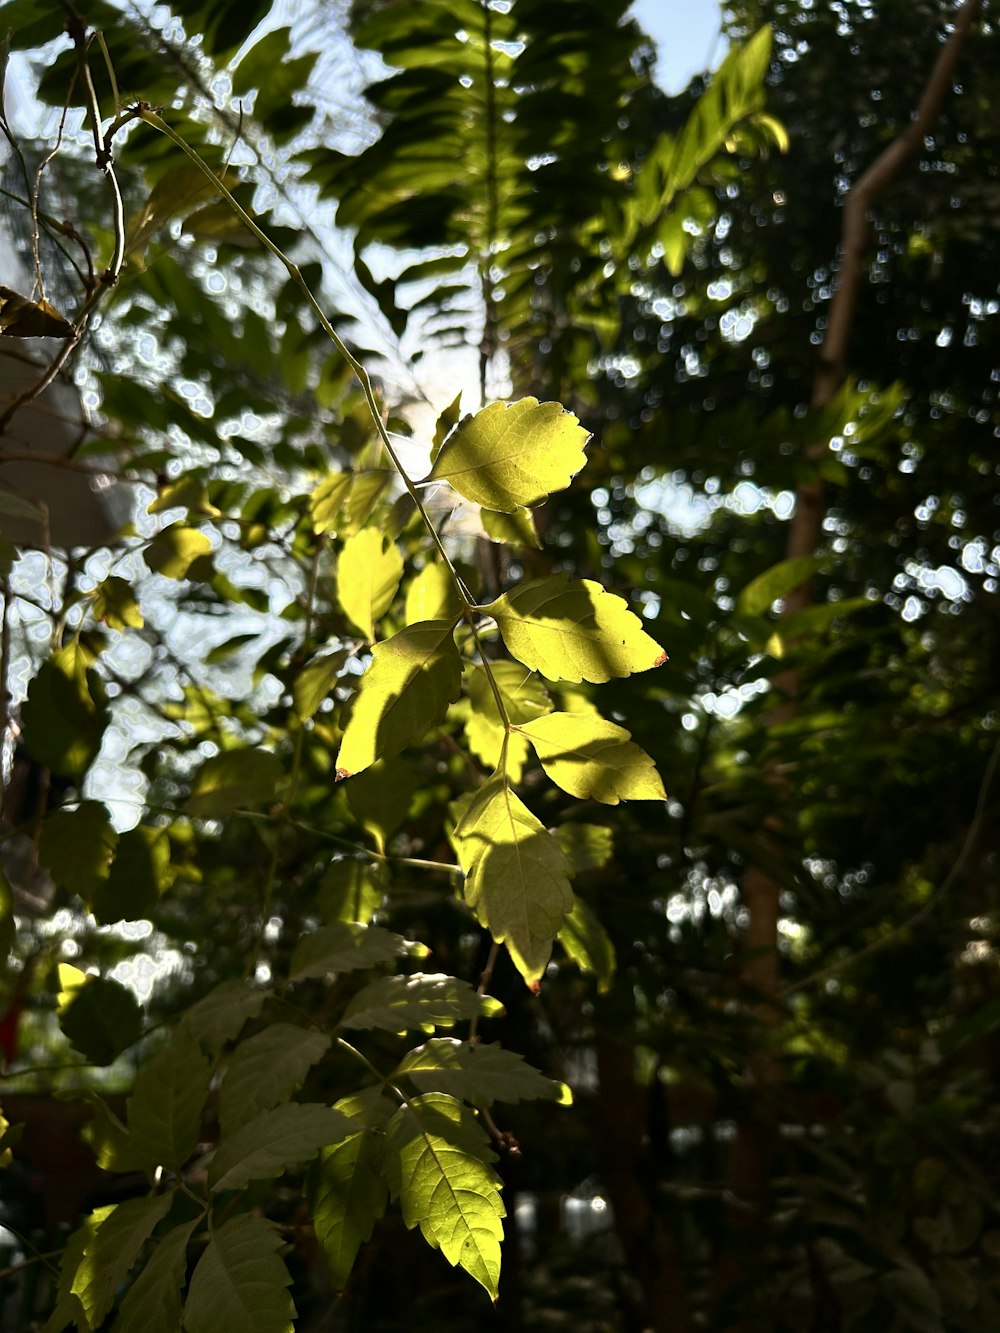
[233,779]
[115,605]
[432,595]
[573,630]
[347,1196]
[517,876]
[343,503]
[588,944]
[413,678]
[512,455]
[112,1250]
[515,529]
[439,1159]
[593,759]
[173,551]
[315,681]
[368,574]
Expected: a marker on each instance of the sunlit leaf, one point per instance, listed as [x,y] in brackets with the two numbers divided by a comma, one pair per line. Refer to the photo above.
[480,1074]
[517,877]
[420,1002]
[346,946]
[173,551]
[512,455]
[573,630]
[593,759]
[351,890]
[588,846]
[347,1196]
[115,605]
[439,1161]
[368,574]
[266,1069]
[64,716]
[759,594]
[315,681]
[112,1250]
[343,503]
[412,679]
[240,1282]
[432,595]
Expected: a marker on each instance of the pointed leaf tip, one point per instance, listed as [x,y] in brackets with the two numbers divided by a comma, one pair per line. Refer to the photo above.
[342,773]
[535,987]
[661,659]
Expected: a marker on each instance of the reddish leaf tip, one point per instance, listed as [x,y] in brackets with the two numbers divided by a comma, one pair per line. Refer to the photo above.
[535,987]
[342,773]
[661,659]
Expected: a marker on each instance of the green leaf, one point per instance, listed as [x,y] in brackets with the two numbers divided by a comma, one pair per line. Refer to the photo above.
[343,503]
[110,1140]
[173,551]
[760,593]
[164,1111]
[266,1069]
[478,1074]
[315,681]
[231,780]
[380,798]
[517,877]
[239,1283]
[114,604]
[593,759]
[76,847]
[412,679]
[111,1251]
[153,1303]
[523,693]
[432,595]
[512,455]
[368,574]
[515,529]
[351,890]
[573,630]
[99,1016]
[284,1137]
[588,944]
[587,846]
[64,716]
[138,876]
[347,1196]
[221,1015]
[68,1308]
[420,1003]
[347,946]
[439,1158]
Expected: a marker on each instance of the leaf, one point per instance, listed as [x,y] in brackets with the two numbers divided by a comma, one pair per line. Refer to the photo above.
[514,529]
[346,946]
[380,798]
[420,1002]
[100,1017]
[24,318]
[266,1069]
[347,1195]
[588,944]
[239,1283]
[76,847]
[573,630]
[412,679]
[64,716]
[760,593]
[587,846]
[512,455]
[315,681]
[523,693]
[517,877]
[108,1137]
[351,890]
[153,1302]
[368,574]
[114,604]
[68,1308]
[164,1111]
[343,503]
[137,878]
[593,759]
[284,1137]
[432,595]
[478,1074]
[231,780]
[439,1158]
[221,1015]
[111,1251]
[173,551]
